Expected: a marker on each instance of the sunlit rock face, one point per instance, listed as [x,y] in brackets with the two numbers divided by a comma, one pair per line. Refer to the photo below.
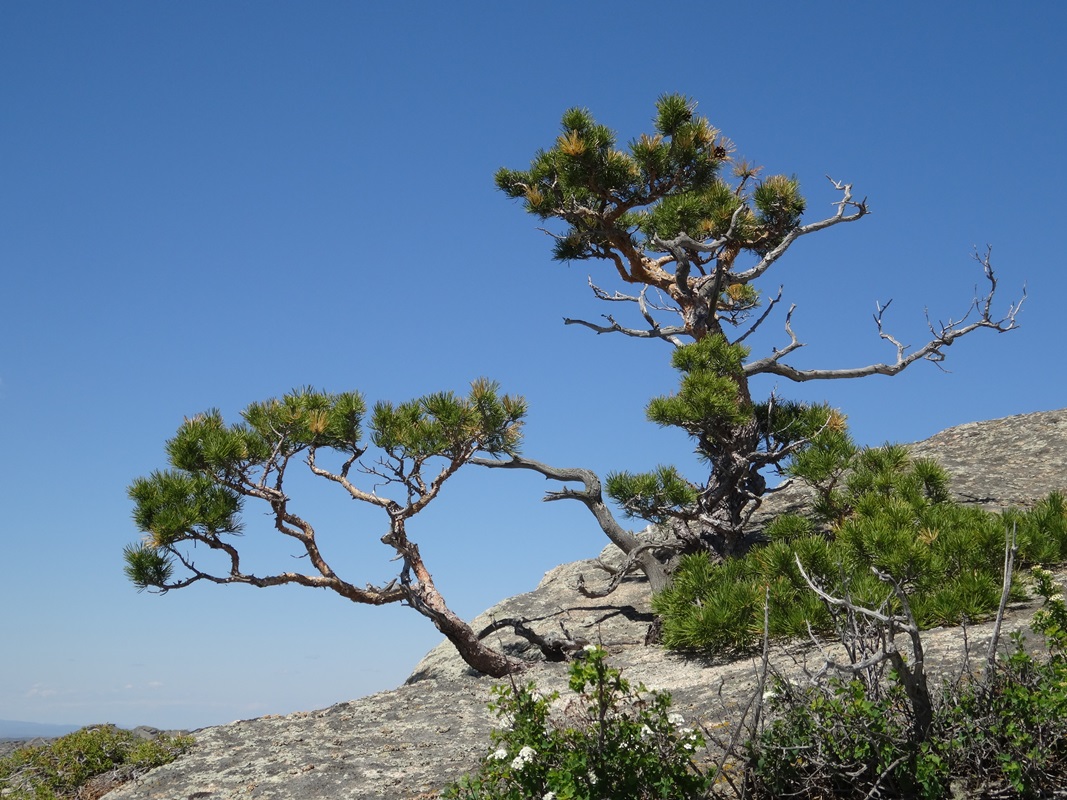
[408,742]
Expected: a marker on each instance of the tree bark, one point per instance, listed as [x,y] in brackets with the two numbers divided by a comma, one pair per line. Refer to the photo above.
[424,598]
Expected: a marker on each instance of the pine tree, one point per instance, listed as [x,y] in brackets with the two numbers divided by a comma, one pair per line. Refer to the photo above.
[215,468]
[690,231]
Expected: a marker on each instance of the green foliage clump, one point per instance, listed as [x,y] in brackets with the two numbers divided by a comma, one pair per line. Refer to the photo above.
[1042,530]
[710,389]
[215,465]
[1003,734]
[662,184]
[61,768]
[711,406]
[613,741]
[842,740]
[651,495]
[879,510]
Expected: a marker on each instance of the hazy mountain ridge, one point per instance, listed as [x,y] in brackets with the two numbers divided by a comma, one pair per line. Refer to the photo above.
[18,729]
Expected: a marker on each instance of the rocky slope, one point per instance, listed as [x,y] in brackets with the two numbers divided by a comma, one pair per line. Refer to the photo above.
[408,742]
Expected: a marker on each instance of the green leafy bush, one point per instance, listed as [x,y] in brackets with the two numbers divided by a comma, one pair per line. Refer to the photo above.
[1009,733]
[63,768]
[612,741]
[1001,734]
[842,740]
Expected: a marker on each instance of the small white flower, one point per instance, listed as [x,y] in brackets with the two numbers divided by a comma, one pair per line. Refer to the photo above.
[590,648]
[676,719]
[499,755]
[527,752]
[592,779]
[645,731]
[549,796]
[770,694]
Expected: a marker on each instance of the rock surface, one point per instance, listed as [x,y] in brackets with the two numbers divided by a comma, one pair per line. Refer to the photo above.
[407,743]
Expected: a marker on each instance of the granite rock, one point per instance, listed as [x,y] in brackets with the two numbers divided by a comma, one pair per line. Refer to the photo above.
[407,743]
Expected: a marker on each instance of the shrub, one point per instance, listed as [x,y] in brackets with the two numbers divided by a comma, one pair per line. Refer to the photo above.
[842,740]
[1042,530]
[611,741]
[890,514]
[1002,734]
[64,767]
[1008,734]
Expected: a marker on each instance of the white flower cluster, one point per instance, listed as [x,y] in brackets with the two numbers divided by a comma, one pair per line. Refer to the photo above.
[524,757]
[687,735]
[1045,577]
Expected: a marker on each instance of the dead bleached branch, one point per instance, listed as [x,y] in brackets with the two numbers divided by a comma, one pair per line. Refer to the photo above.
[942,337]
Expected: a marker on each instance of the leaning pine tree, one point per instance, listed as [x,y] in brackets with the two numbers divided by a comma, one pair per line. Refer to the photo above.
[191,513]
[693,231]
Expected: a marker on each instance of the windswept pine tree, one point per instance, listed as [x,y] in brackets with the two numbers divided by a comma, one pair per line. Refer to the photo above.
[216,468]
[688,232]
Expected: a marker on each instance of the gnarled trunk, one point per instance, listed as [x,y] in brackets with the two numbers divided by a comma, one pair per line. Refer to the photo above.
[424,598]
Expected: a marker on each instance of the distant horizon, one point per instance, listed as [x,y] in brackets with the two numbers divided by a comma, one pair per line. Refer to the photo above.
[16,730]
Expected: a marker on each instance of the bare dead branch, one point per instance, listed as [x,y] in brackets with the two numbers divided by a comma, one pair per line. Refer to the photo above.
[617,575]
[354,492]
[713,246]
[932,351]
[1011,549]
[591,496]
[370,596]
[669,334]
[762,317]
[615,297]
[911,676]
[553,648]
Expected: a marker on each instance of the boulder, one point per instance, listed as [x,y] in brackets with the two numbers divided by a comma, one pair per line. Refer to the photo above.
[407,743]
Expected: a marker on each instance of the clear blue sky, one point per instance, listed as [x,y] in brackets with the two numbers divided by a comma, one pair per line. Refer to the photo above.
[204,204]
